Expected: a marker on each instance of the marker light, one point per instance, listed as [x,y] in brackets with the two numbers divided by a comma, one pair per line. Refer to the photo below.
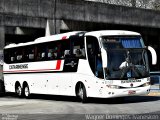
[114,87]
[146,84]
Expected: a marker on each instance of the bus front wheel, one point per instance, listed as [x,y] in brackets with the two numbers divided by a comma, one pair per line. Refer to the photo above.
[82,93]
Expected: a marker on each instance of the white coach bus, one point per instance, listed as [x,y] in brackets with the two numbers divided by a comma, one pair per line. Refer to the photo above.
[101,64]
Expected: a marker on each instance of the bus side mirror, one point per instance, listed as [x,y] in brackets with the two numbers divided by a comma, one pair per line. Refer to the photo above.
[104,58]
[154,55]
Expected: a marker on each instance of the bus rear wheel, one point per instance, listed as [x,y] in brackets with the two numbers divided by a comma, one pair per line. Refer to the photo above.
[82,93]
[18,90]
[26,91]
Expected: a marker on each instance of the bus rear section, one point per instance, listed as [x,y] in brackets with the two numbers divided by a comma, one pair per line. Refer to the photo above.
[44,66]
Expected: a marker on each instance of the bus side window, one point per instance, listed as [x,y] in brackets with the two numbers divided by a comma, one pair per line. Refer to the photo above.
[19,57]
[19,54]
[66,53]
[83,52]
[11,53]
[41,52]
[16,55]
[28,54]
[12,59]
[77,53]
[43,56]
[64,49]
[7,57]
[52,51]
[31,54]
[50,54]
[77,44]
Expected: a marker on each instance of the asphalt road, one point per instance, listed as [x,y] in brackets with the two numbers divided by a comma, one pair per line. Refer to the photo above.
[43,107]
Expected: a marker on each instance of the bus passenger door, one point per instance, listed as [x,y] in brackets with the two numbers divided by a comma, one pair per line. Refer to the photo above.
[71,59]
[52,83]
[65,84]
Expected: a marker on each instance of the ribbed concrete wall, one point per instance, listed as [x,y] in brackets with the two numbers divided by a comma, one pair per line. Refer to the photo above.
[29,13]
[77,15]
[33,8]
[35,12]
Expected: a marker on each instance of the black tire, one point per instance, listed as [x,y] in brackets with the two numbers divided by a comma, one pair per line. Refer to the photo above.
[82,93]
[18,90]
[120,99]
[26,91]
[2,88]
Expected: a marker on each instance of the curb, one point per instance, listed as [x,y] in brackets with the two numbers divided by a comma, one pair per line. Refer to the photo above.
[154,94]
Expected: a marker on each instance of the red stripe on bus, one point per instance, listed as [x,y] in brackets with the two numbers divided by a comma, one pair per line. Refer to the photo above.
[58,66]
[64,37]
[40,70]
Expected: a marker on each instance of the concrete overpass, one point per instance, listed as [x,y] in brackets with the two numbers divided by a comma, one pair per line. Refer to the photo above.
[24,20]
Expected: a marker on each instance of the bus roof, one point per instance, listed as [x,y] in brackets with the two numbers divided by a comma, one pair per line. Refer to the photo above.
[112,33]
[45,39]
[68,34]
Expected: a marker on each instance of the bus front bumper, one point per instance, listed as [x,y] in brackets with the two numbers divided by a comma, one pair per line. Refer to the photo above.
[111,93]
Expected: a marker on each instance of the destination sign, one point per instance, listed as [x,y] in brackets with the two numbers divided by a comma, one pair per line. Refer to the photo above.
[131,81]
[21,66]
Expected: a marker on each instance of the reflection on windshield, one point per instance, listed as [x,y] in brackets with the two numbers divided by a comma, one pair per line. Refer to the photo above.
[127,63]
[126,57]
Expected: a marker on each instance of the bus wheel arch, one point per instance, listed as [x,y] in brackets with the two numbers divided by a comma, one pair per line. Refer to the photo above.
[18,89]
[26,90]
[81,92]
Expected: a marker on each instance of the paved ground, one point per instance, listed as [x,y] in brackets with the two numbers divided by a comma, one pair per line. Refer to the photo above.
[57,107]
[43,107]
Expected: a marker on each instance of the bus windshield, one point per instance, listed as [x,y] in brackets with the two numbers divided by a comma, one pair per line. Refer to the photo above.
[125,62]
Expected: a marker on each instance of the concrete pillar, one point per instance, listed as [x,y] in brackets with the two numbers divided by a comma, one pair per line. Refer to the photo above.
[2,37]
[54,26]
[57,24]
[64,25]
[2,43]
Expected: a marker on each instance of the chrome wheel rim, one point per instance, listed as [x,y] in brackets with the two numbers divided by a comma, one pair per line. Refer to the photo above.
[81,93]
[26,91]
[19,91]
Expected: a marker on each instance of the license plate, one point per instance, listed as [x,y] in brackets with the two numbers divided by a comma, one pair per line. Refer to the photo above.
[131,92]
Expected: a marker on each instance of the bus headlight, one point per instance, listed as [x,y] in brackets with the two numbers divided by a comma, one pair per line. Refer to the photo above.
[114,86]
[146,84]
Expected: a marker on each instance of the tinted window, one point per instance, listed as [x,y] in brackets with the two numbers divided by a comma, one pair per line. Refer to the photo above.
[94,56]
[54,50]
